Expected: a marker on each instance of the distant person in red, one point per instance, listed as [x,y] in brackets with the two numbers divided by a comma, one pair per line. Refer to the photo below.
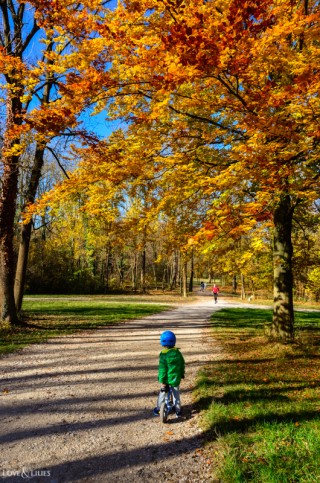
[215,291]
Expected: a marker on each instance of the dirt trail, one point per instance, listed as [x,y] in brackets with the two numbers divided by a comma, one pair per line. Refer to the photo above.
[79,408]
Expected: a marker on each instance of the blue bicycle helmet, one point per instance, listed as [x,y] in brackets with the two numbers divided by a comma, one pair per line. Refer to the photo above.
[168,339]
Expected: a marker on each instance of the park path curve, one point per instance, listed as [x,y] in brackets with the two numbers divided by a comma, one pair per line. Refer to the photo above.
[79,408]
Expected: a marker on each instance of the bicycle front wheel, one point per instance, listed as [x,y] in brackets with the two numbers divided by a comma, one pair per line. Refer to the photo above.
[163,412]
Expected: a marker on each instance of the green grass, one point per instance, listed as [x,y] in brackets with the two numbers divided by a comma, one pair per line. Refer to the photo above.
[56,316]
[261,400]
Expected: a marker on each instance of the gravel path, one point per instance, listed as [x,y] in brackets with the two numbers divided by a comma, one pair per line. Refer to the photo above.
[79,408]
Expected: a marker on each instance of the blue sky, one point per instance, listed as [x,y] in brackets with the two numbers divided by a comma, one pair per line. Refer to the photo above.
[100,124]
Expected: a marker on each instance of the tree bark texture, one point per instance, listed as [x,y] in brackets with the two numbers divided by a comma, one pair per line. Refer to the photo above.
[243,288]
[283,316]
[191,274]
[174,271]
[234,284]
[107,269]
[184,279]
[143,269]
[8,200]
[25,233]
[135,273]
[15,42]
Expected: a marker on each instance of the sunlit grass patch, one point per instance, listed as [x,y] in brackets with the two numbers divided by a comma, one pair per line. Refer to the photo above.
[274,453]
[260,401]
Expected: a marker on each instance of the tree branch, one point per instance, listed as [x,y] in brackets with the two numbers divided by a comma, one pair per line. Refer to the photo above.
[58,161]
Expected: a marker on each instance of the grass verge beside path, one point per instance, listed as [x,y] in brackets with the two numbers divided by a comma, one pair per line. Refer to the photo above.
[261,402]
[51,317]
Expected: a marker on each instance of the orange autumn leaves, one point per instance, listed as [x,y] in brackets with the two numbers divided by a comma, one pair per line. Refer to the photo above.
[223,94]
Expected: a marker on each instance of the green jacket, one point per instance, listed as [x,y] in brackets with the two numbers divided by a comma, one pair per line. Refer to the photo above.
[171,366]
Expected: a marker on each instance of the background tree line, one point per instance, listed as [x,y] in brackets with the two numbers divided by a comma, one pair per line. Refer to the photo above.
[76,252]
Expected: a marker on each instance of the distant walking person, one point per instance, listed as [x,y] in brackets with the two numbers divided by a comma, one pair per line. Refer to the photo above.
[215,291]
[201,287]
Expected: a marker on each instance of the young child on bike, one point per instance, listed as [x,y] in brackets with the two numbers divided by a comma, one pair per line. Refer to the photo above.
[171,370]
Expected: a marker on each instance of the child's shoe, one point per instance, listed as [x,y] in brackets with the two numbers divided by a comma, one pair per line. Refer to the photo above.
[156,411]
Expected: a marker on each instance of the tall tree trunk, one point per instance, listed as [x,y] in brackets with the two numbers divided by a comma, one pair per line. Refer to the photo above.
[243,288]
[143,269]
[25,233]
[144,260]
[134,272]
[35,176]
[253,292]
[7,214]
[184,279]
[121,270]
[155,279]
[8,199]
[107,269]
[191,273]
[234,284]
[164,277]
[210,275]
[174,272]
[283,316]
[154,268]
[21,269]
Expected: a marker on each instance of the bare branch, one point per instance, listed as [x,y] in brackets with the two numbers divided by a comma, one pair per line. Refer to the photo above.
[58,161]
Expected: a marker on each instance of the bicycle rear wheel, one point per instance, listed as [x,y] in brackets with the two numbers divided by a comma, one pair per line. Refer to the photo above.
[163,412]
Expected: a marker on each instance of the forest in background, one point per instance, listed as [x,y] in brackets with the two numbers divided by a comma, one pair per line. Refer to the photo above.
[75,252]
